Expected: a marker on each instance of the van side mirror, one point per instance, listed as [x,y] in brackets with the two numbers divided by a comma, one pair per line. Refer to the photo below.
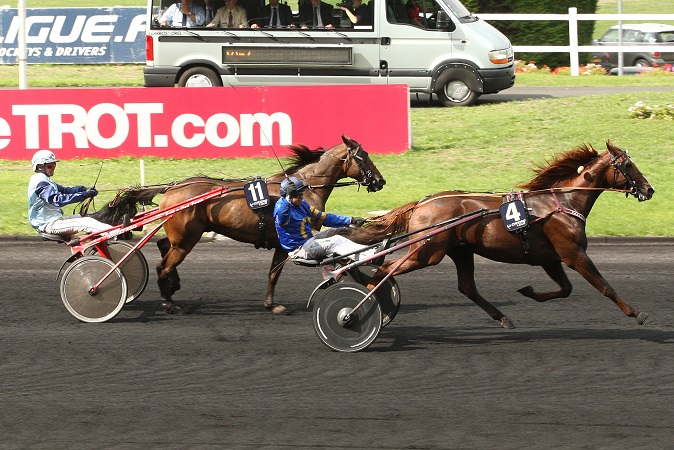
[444,22]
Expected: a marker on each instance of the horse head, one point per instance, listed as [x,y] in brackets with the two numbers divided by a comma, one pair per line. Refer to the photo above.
[359,166]
[626,174]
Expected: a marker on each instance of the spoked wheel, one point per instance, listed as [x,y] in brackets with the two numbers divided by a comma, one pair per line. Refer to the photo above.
[388,294]
[338,325]
[80,277]
[135,268]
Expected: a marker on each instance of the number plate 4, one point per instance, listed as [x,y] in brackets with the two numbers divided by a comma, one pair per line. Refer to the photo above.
[514,215]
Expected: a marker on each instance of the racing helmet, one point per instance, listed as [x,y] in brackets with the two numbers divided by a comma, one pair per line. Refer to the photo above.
[43,157]
[290,185]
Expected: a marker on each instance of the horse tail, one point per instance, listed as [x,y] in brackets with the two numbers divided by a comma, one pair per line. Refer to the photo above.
[125,203]
[378,228]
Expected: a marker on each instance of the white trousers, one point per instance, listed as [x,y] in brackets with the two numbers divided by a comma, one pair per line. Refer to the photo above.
[74,224]
[319,248]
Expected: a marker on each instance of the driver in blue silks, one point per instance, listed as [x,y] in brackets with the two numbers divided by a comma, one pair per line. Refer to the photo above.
[45,199]
[294,219]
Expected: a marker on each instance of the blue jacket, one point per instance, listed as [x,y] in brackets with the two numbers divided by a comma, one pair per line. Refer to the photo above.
[45,199]
[294,223]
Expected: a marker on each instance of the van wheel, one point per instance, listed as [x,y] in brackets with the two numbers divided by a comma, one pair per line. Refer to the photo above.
[641,62]
[457,93]
[199,77]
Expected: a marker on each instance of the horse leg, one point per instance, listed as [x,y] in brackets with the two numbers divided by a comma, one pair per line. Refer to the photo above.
[556,272]
[465,269]
[173,277]
[581,263]
[173,257]
[277,263]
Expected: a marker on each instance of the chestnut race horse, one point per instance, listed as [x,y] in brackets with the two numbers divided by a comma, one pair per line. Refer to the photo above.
[230,214]
[559,198]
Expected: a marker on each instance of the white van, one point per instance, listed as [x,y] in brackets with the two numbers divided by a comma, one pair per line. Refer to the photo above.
[446,50]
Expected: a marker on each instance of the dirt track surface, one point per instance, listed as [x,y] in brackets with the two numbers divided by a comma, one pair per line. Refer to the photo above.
[576,373]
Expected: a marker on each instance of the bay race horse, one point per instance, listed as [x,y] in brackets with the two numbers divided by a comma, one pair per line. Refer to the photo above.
[558,200]
[230,214]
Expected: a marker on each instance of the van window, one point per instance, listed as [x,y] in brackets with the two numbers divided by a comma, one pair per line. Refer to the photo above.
[419,13]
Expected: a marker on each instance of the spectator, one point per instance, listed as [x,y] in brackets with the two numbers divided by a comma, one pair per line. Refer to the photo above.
[183,14]
[317,14]
[414,12]
[274,15]
[230,16]
[359,14]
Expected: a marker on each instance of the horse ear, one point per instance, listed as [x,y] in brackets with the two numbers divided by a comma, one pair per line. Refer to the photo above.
[609,145]
[346,139]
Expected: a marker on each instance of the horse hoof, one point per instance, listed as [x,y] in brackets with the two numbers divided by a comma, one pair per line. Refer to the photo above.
[643,318]
[276,309]
[506,323]
[171,308]
[527,291]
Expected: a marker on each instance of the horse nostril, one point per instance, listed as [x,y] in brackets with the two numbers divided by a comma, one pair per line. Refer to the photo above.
[382,182]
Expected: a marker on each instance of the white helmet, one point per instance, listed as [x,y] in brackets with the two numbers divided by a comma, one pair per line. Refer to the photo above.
[43,157]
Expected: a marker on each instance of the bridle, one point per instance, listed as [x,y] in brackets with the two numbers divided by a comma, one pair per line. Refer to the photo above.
[355,153]
[619,163]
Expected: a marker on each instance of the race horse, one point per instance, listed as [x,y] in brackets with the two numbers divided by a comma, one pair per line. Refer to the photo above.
[230,214]
[558,200]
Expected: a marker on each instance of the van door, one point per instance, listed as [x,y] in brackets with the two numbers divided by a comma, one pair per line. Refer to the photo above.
[410,43]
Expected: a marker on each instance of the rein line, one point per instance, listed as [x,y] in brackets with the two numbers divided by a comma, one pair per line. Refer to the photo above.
[501,194]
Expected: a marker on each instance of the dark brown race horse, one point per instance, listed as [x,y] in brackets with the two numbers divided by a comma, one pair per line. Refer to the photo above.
[231,216]
[560,197]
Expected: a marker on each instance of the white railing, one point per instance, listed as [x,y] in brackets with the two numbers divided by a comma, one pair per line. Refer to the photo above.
[573,49]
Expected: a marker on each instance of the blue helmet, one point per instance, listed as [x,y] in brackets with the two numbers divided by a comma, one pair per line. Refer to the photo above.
[290,185]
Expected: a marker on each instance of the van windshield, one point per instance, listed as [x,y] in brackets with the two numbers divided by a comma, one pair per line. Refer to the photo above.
[459,11]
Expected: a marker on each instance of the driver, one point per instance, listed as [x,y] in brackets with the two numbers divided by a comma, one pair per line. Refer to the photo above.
[45,199]
[294,219]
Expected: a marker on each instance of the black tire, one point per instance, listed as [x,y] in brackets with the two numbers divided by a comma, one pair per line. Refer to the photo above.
[641,62]
[80,277]
[341,327]
[457,93]
[199,77]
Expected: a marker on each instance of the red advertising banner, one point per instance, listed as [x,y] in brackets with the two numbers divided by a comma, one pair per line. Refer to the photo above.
[201,122]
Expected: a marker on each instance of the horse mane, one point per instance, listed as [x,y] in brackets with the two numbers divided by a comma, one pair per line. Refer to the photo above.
[125,203]
[562,167]
[302,156]
[378,228]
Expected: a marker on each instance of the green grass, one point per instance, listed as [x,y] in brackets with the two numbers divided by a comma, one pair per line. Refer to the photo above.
[486,148]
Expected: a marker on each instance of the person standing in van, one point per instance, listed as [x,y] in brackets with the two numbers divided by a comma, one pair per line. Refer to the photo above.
[317,14]
[183,14]
[230,16]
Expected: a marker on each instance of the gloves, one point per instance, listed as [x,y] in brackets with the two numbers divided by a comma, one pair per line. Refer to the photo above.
[291,190]
[357,221]
[91,192]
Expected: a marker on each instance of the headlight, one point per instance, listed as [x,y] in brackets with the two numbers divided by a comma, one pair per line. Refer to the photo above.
[502,56]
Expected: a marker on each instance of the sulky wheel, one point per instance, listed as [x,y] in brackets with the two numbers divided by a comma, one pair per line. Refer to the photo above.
[105,302]
[135,268]
[388,295]
[338,325]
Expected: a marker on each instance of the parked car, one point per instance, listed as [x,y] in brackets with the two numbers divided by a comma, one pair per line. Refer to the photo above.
[652,34]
